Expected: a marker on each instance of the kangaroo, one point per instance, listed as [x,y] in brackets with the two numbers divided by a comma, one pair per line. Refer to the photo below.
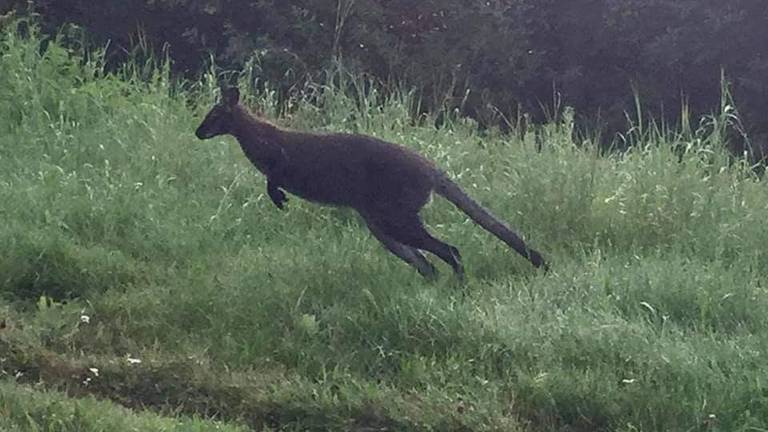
[387,184]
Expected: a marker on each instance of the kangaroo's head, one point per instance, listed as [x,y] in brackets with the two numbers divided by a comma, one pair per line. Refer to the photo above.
[219,120]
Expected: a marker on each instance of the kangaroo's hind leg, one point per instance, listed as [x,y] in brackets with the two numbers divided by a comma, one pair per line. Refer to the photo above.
[408,228]
[408,254]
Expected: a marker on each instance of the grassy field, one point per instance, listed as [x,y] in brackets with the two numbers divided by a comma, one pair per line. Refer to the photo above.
[148,283]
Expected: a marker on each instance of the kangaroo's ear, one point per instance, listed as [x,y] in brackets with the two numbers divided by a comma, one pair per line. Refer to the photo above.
[231,96]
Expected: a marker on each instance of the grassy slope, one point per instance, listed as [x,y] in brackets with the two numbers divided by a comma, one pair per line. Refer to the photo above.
[653,318]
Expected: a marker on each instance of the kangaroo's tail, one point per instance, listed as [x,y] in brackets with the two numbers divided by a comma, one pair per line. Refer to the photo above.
[453,193]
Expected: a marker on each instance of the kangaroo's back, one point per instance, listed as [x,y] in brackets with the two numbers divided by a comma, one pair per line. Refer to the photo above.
[354,170]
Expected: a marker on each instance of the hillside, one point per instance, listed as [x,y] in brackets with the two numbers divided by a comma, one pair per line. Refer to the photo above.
[141,268]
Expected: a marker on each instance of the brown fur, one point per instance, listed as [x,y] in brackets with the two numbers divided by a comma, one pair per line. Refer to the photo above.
[386,183]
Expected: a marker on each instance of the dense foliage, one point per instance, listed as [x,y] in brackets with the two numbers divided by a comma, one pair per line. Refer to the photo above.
[510,54]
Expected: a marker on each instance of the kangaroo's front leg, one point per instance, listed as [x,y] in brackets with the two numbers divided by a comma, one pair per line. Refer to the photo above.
[275,194]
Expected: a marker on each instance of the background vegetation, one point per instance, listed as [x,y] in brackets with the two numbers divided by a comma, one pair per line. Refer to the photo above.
[493,60]
[146,282]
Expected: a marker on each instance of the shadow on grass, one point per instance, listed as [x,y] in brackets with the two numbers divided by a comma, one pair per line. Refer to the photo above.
[260,399]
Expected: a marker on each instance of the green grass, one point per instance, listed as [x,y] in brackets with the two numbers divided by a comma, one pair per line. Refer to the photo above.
[124,237]
[27,409]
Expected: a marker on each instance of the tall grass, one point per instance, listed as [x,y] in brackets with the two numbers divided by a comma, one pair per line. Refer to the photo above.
[125,238]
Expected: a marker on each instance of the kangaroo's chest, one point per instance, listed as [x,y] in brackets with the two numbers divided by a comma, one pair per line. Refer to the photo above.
[269,162]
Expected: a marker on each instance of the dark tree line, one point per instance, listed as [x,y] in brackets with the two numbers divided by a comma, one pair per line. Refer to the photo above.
[510,54]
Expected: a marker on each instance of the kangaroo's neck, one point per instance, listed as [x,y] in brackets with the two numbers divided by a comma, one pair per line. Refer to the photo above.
[259,139]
